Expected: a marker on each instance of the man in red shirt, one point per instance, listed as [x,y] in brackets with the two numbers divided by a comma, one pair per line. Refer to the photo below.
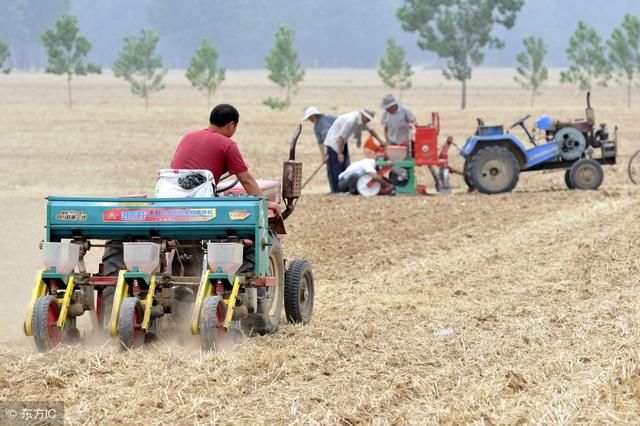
[213,149]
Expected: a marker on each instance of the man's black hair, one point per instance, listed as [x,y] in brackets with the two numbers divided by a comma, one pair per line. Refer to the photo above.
[224,114]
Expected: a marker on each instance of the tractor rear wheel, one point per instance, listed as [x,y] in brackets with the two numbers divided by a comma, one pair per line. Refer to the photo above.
[266,319]
[493,170]
[467,178]
[44,323]
[567,179]
[130,329]
[113,263]
[212,315]
[586,174]
[299,292]
[633,169]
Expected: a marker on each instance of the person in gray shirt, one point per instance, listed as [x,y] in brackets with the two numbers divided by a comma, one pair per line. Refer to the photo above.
[398,121]
[321,124]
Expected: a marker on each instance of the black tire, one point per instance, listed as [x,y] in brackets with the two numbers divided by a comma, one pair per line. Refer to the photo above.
[567,179]
[112,262]
[270,299]
[467,178]
[113,258]
[633,169]
[44,323]
[130,330]
[299,292]
[586,174]
[493,170]
[212,315]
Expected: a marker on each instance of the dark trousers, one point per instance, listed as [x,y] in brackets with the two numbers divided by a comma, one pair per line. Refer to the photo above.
[334,168]
[349,185]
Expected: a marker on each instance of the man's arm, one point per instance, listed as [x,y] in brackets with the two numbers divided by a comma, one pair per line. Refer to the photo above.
[375,135]
[323,154]
[249,183]
[341,142]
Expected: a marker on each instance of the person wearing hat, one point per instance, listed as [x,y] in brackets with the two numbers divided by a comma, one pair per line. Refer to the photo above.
[398,121]
[343,128]
[321,124]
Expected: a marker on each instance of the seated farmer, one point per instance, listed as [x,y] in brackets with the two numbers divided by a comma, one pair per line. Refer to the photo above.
[346,126]
[348,180]
[398,121]
[213,149]
[321,124]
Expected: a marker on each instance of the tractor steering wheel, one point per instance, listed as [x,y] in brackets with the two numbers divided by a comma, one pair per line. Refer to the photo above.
[521,121]
[228,186]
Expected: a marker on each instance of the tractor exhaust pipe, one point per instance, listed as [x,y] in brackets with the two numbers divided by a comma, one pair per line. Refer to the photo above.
[292,176]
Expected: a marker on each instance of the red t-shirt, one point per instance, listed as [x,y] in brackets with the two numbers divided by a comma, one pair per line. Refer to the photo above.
[206,149]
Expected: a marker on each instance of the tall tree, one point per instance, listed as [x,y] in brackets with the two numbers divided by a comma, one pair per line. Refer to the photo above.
[532,72]
[67,50]
[586,52]
[139,65]
[458,30]
[4,55]
[394,70]
[204,73]
[624,52]
[284,68]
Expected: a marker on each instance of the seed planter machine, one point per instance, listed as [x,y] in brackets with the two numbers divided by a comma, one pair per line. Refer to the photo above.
[242,287]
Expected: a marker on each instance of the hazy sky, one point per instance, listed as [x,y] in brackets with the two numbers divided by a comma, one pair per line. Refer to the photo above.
[330,33]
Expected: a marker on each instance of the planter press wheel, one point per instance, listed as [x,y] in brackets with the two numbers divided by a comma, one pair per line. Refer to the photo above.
[299,292]
[633,169]
[130,330]
[44,323]
[212,315]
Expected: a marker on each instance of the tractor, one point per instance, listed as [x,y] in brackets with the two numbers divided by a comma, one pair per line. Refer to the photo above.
[236,280]
[494,158]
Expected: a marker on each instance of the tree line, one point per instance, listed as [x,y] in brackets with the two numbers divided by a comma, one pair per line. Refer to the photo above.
[458,31]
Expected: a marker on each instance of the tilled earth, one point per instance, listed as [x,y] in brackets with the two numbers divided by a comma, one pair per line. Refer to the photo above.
[516,308]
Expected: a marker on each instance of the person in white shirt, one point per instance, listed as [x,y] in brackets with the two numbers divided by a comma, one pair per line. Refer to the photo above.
[348,180]
[343,128]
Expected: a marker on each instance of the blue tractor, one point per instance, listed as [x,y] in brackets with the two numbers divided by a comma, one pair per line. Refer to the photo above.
[494,157]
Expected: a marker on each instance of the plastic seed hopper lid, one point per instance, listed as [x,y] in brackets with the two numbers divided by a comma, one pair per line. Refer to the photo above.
[367,186]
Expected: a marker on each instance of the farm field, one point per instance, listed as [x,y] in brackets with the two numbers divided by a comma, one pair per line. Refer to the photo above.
[516,308]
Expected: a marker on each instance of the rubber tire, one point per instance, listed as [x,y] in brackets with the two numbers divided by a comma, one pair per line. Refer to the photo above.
[574,170]
[490,153]
[467,178]
[261,322]
[567,179]
[126,323]
[293,279]
[113,262]
[212,315]
[635,157]
[45,341]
